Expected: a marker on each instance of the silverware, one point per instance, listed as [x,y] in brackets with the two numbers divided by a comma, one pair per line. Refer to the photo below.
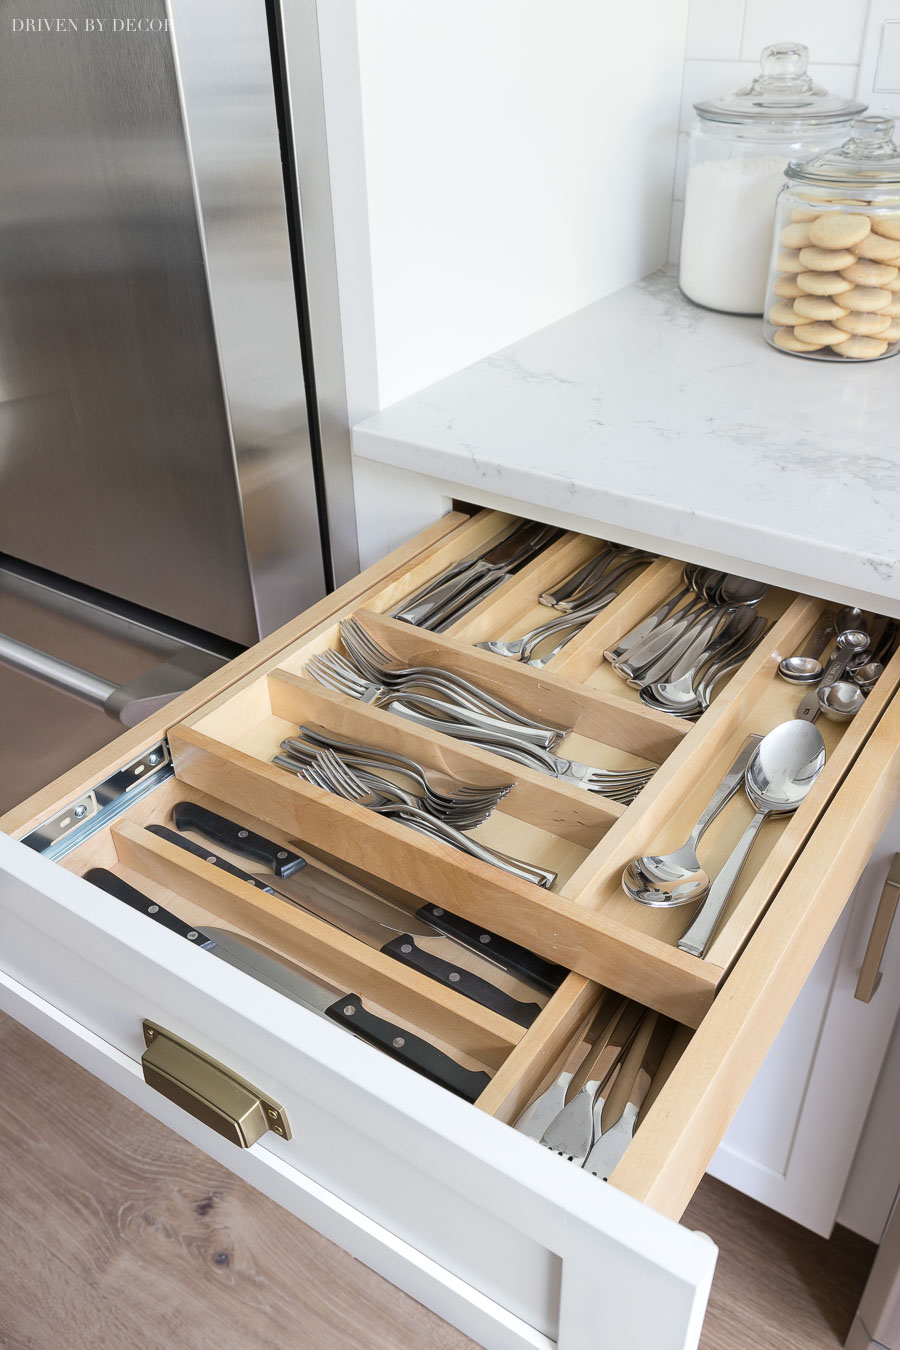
[467,807]
[679,691]
[781,772]
[570,1133]
[573,583]
[805,667]
[849,642]
[608,782]
[444,594]
[619,1117]
[676,878]
[317,995]
[525,647]
[330,774]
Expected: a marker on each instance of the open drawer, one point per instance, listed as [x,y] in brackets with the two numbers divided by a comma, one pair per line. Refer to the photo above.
[511,1243]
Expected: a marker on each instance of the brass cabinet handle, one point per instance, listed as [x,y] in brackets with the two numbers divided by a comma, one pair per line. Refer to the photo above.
[870,973]
[208,1090]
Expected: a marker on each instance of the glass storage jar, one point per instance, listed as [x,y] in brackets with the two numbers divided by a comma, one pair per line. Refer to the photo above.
[834,287]
[737,153]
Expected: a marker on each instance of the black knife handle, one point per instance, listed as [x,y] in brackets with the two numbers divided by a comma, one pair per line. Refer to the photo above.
[163,832]
[464,981]
[518,960]
[410,1050]
[113,885]
[227,833]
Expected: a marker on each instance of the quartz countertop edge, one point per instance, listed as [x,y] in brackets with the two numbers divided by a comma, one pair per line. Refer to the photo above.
[647,418]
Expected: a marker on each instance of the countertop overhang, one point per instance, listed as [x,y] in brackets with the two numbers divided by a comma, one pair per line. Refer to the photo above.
[649,419]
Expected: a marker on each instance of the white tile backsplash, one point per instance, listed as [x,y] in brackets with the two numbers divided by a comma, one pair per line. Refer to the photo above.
[831,29]
[715,28]
[724,42]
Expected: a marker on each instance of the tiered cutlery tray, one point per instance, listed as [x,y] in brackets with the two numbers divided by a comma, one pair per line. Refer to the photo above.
[222,755]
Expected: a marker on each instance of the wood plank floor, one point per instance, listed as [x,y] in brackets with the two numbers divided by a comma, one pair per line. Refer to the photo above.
[115,1234]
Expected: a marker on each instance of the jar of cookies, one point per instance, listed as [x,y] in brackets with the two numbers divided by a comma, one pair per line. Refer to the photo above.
[736,156]
[834,291]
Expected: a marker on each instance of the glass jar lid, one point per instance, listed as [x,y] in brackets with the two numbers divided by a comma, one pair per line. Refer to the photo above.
[782,94]
[871,157]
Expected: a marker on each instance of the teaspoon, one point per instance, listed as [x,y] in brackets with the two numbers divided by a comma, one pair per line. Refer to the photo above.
[782,769]
[867,676]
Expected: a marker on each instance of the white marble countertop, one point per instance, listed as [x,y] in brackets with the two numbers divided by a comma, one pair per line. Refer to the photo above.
[647,419]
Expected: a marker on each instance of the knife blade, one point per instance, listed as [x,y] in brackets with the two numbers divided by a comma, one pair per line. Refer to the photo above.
[327,888]
[317,995]
[400,945]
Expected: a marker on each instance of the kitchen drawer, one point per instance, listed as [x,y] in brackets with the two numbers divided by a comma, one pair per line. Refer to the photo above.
[508,1241]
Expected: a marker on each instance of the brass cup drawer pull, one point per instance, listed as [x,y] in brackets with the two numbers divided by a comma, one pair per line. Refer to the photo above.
[870,971]
[208,1090]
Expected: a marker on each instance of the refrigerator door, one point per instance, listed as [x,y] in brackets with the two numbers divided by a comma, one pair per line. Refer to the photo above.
[154,436]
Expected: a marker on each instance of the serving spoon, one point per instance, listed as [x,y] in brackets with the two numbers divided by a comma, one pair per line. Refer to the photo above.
[669,879]
[781,771]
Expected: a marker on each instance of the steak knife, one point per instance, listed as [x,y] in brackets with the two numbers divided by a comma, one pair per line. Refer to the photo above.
[400,945]
[325,889]
[314,994]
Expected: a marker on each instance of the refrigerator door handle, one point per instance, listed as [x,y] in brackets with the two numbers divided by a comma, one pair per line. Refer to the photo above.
[129,703]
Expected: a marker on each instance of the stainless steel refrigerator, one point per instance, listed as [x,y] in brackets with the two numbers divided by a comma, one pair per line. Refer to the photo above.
[167,471]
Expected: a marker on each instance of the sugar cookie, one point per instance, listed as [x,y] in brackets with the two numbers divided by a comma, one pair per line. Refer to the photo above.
[789,261]
[815,259]
[892,334]
[893,309]
[862,348]
[867,325]
[866,299]
[888,226]
[817,307]
[788,288]
[783,315]
[819,334]
[839,229]
[785,339]
[795,236]
[865,272]
[800,217]
[823,283]
[879,249]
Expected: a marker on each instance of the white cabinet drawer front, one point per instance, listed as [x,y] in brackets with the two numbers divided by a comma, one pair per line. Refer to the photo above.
[481,1202]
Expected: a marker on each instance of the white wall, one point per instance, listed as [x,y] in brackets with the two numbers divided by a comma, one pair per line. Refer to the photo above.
[518,161]
[724,42]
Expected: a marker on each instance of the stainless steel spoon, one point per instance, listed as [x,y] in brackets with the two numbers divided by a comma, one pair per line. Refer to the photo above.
[807,668]
[867,676]
[841,701]
[669,879]
[850,641]
[782,769]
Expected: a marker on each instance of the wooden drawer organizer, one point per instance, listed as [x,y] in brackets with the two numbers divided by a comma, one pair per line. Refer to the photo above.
[222,755]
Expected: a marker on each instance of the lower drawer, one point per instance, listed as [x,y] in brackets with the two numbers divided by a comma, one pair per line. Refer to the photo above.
[511,1243]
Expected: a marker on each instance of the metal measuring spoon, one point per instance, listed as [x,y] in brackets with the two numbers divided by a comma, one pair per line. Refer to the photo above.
[841,701]
[669,879]
[867,676]
[806,668]
[783,768]
[849,642]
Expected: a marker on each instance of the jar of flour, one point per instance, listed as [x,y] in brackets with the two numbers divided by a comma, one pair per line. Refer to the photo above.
[737,153]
